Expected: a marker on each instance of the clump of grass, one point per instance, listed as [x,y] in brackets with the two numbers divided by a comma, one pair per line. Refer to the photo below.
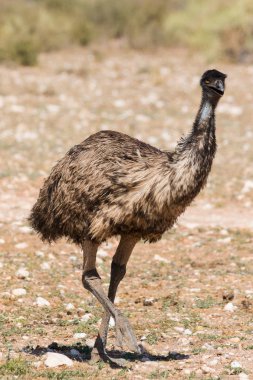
[15,367]
[205,303]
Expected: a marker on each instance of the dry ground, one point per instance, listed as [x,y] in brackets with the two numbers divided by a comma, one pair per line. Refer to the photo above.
[189,275]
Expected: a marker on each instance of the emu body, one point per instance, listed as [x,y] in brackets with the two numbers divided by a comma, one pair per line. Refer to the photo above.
[112,184]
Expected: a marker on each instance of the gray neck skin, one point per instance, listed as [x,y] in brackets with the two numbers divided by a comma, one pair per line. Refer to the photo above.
[194,154]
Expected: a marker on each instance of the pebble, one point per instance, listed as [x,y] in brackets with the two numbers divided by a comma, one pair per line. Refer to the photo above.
[53,359]
[86,317]
[21,245]
[102,253]
[235,364]
[111,322]
[79,335]
[187,332]
[230,307]
[90,342]
[161,259]
[41,302]
[148,302]
[179,329]
[228,295]
[39,254]
[45,265]
[207,369]
[243,376]
[2,241]
[25,230]
[22,273]
[69,306]
[19,292]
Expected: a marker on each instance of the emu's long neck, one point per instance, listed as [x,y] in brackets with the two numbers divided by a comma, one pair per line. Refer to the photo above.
[194,155]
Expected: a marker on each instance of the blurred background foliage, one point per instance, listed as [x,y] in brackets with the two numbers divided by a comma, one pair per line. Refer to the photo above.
[221,29]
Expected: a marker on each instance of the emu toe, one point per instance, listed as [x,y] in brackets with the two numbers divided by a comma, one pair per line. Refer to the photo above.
[125,334]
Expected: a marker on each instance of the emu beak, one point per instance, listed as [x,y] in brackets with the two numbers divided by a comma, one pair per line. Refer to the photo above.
[219,85]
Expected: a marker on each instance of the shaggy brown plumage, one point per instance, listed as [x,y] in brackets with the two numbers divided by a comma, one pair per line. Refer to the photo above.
[113,184]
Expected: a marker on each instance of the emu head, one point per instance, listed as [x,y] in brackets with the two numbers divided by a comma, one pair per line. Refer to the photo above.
[213,84]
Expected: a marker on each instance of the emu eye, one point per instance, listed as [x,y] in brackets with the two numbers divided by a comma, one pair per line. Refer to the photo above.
[207,81]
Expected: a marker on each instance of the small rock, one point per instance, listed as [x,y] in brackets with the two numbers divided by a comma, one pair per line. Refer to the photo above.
[79,335]
[25,230]
[235,364]
[161,259]
[37,364]
[86,317]
[2,241]
[230,307]
[54,359]
[69,306]
[243,376]
[207,346]
[102,253]
[90,342]
[21,245]
[22,273]
[41,302]
[207,369]
[148,302]
[45,266]
[111,322]
[235,340]
[179,329]
[39,254]
[228,295]
[213,362]
[19,292]
[187,332]
[143,338]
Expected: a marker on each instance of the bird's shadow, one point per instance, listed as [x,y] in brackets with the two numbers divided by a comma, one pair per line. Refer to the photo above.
[82,353]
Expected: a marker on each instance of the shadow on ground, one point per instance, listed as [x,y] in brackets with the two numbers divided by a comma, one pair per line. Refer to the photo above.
[82,353]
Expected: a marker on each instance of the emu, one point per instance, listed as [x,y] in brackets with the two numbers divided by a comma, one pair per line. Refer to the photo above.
[112,184]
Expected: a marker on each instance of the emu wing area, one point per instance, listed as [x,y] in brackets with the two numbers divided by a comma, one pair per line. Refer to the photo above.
[109,184]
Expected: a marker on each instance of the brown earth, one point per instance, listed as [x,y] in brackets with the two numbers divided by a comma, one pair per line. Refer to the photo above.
[189,275]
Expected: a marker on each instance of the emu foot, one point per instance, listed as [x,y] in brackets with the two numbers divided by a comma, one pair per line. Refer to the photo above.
[125,334]
[97,355]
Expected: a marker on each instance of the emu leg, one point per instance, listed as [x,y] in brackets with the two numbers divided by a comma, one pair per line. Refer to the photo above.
[92,282]
[118,270]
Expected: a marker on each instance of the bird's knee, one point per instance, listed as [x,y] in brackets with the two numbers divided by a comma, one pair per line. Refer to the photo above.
[88,277]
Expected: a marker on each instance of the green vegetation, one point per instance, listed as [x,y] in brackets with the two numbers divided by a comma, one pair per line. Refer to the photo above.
[28,27]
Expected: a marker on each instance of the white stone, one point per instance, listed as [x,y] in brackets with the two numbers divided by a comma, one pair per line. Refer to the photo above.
[69,306]
[148,301]
[41,302]
[25,229]
[230,307]
[53,359]
[79,335]
[102,253]
[21,245]
[22,273]
[86,317]
[2,241]
[207,369]
[179,329]
[111,322]
[213,362]
[243,376]
[187,332]
[1,265]
[90,342]
[39,254]
[45,265]
[235,364]
[161,259]
[19,292]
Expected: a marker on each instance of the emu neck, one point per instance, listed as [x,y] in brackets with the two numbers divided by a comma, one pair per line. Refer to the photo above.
[194,155]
